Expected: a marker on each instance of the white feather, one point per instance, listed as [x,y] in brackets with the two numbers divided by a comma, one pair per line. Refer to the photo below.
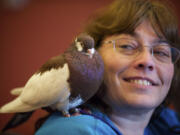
[78,45]
[76,102]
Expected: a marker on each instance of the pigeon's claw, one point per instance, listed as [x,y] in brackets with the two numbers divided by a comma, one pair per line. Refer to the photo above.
[66,113]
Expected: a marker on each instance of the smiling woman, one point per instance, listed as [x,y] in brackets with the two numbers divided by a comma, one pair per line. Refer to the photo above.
[139,44]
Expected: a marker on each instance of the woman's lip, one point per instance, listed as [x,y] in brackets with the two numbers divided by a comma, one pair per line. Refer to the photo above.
[142,78]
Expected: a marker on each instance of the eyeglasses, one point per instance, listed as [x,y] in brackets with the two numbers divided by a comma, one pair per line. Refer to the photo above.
[161,51]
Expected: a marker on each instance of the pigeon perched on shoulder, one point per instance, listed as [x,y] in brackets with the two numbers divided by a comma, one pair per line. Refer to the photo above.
[63,82]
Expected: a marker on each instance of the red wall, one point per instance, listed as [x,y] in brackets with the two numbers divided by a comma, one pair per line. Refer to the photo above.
[31,35]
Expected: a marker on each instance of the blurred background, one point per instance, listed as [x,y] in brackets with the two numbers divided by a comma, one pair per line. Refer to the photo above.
[32,31]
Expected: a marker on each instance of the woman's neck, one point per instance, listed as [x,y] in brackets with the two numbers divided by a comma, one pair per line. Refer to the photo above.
[131,122]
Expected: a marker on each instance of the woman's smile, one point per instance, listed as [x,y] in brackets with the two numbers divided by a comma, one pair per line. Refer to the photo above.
[141,81]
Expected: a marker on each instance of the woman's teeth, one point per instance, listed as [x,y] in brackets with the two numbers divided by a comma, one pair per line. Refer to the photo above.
[141,82]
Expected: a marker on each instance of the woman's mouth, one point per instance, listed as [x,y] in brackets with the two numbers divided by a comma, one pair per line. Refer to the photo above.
[141,81]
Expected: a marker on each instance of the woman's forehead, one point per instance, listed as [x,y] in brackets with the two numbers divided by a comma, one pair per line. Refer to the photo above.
[144,27]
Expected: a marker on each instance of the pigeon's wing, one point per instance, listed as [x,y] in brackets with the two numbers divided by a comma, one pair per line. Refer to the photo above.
[47,88]
[53,63]
[44,88]
[49,82]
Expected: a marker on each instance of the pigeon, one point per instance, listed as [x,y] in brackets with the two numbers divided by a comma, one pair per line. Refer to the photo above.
[63,82]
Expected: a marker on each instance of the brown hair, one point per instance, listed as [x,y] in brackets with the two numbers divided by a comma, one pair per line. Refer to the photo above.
[123,16]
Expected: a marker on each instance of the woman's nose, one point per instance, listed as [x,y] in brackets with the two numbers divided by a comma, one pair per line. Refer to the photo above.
[145,61]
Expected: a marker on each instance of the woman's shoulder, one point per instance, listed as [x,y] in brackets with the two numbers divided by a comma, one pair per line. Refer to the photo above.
[57,124]
[170,116]
[168,121]
[77,125]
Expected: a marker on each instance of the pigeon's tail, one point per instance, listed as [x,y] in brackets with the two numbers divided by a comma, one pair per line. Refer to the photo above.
[17,119]
[16,106]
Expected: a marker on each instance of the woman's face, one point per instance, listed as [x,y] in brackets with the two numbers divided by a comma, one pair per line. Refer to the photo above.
[135,82]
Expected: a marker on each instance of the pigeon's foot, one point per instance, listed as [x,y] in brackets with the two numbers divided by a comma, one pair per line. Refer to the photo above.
[66,113]
[75,111]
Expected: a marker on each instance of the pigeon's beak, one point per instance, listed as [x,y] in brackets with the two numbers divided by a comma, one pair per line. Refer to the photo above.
[91,52]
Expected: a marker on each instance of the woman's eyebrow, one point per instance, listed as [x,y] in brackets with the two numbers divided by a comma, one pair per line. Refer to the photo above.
[161,40]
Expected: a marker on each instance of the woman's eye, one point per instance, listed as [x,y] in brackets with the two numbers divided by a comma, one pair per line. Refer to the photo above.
[126,47]
[162,53]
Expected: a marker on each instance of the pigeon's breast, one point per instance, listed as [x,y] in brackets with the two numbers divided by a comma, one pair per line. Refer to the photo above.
[86,74]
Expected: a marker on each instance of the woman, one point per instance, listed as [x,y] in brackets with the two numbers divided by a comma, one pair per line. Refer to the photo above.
[139,43]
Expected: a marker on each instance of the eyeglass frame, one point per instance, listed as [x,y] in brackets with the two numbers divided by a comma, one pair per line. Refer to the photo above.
[152,48]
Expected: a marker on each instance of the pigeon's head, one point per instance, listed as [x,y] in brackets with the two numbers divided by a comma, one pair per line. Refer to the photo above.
[85,43]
